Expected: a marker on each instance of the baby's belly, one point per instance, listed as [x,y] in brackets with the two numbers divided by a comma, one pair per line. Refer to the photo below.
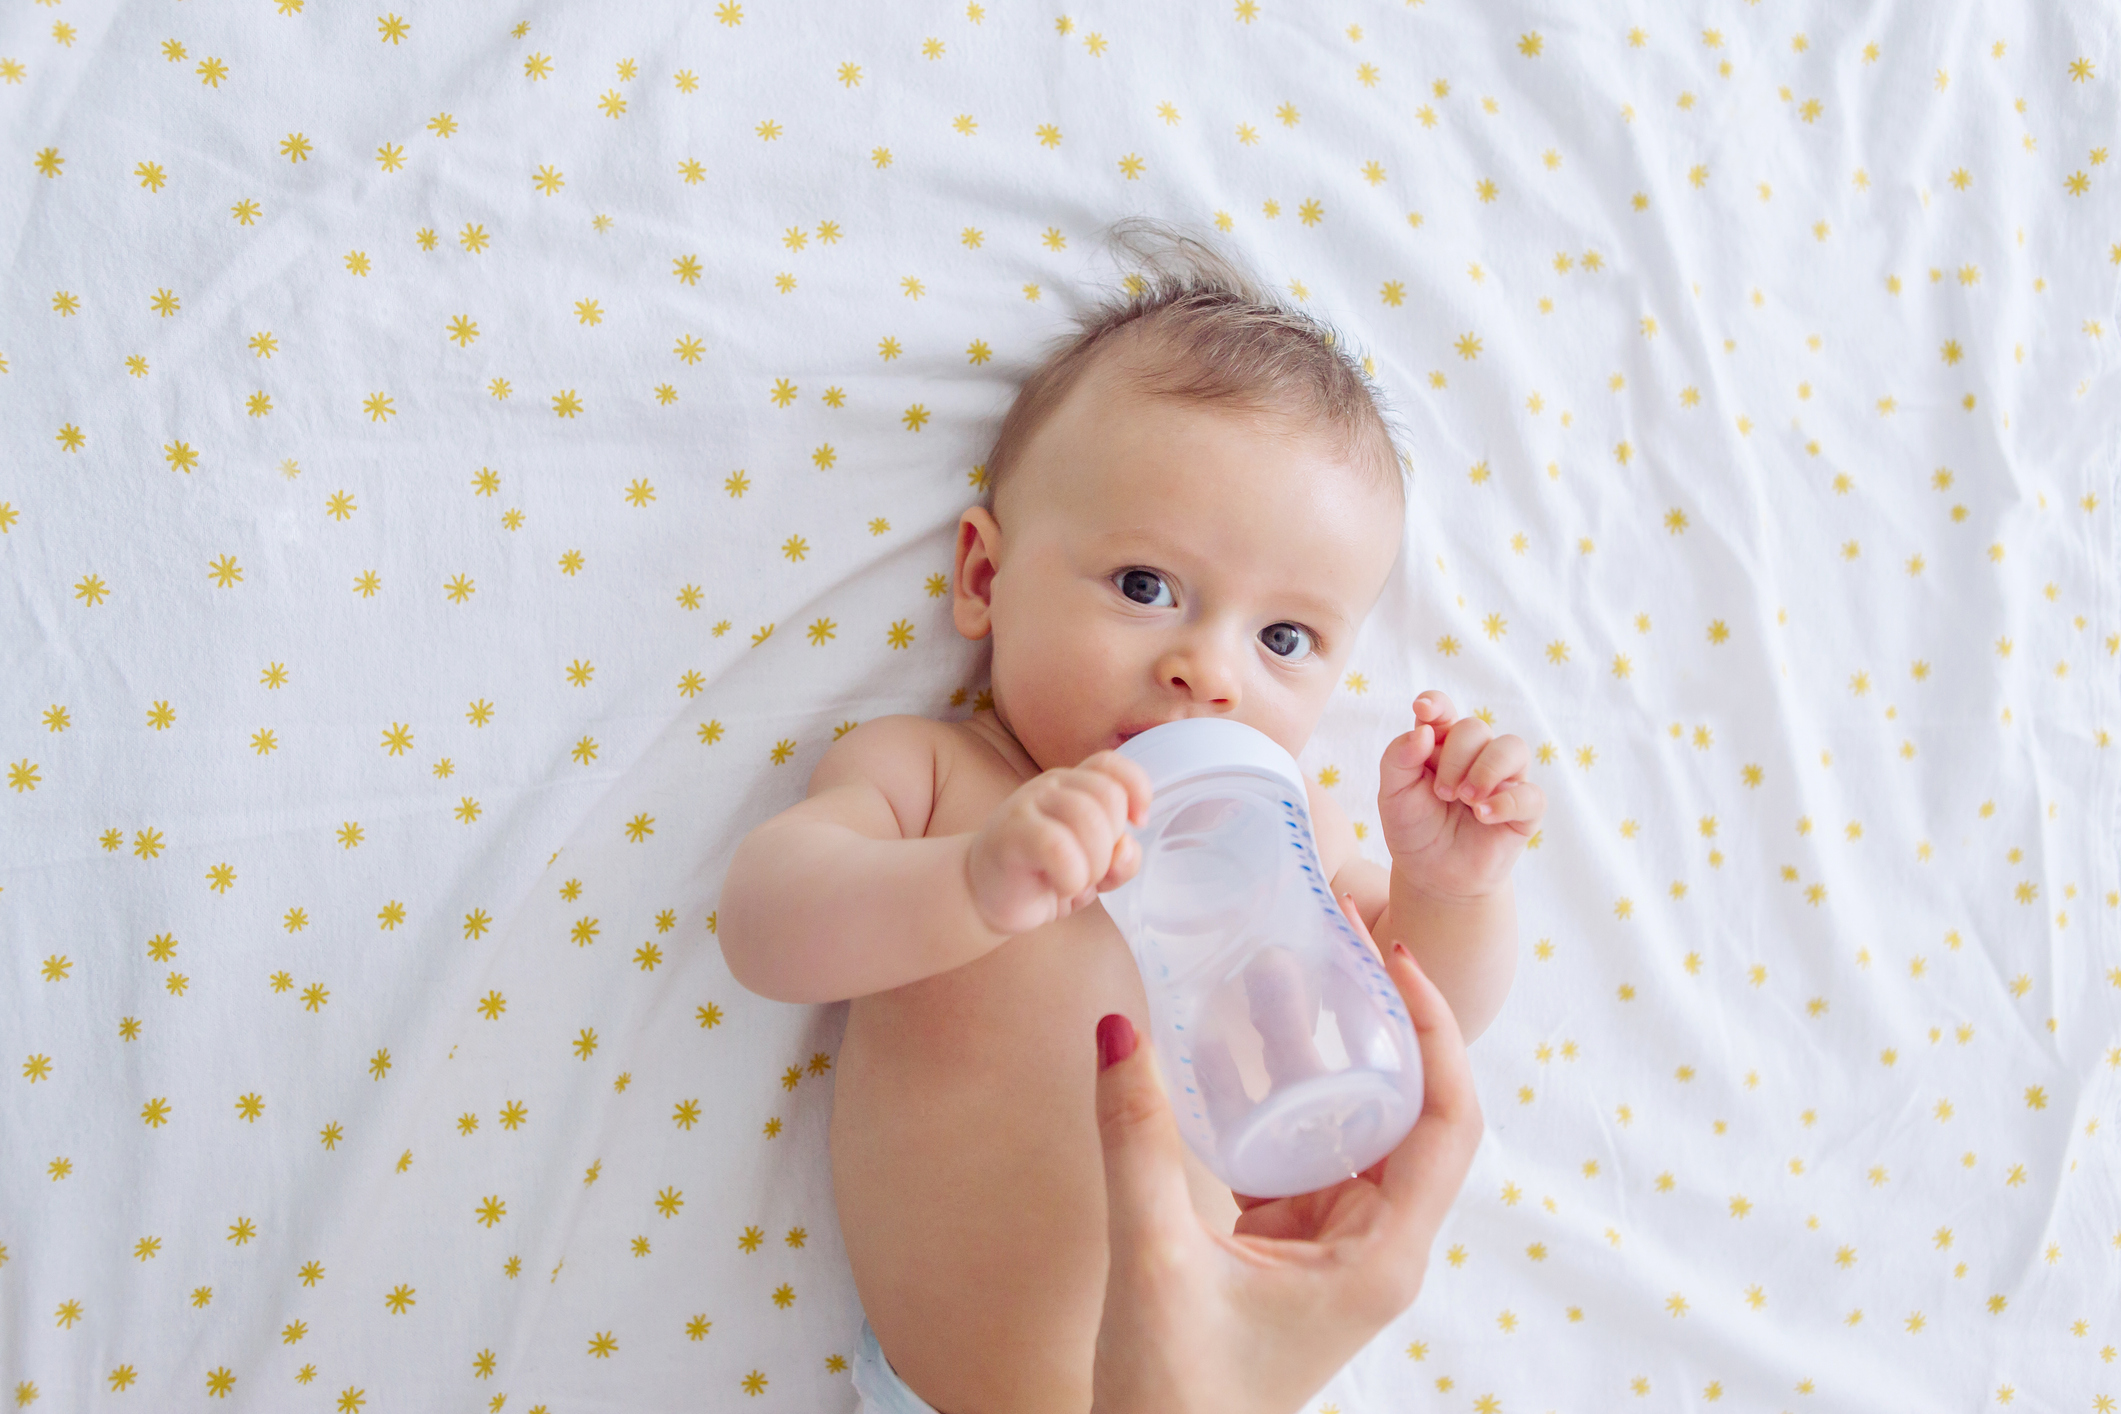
[967,1169]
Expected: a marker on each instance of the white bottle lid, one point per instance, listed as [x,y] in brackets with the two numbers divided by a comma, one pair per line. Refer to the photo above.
[1198,746]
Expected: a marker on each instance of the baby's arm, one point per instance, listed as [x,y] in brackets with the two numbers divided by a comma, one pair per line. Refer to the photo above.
[1456,811]
[841,895]
[847,894]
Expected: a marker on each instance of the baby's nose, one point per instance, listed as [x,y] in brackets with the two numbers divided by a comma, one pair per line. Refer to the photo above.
[1203,675]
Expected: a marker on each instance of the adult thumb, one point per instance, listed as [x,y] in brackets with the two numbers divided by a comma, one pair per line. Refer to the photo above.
[1145,1176]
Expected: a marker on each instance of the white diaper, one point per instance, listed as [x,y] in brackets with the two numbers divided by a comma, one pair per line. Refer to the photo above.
[882,1391]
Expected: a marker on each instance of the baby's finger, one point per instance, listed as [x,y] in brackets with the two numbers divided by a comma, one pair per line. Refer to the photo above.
[1434,708]
[1499,808]
[1499,760]
[1131,775]
[1460,747]
[1058,856]
[1521,804]
[1105,787]
[1126,860]
[1405,760]
[1084,817]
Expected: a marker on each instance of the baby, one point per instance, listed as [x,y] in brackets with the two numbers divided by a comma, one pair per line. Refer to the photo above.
[1190,511]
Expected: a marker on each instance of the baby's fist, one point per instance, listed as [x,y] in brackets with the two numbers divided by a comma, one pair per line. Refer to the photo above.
[1057,842]
[1455,804]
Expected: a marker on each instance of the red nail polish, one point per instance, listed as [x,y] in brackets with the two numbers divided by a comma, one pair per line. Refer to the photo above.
[1115,1039]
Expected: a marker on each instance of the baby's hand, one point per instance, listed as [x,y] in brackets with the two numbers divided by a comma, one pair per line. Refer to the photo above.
[1454,802]
[1057,842]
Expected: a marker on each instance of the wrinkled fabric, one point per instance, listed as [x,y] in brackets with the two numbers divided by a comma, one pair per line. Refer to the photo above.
[462,468]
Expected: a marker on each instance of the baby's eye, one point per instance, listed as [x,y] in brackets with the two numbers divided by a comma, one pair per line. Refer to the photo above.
[1282,641]
[1143,587]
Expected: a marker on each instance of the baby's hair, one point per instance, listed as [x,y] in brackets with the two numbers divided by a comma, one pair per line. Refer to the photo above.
[1207,331]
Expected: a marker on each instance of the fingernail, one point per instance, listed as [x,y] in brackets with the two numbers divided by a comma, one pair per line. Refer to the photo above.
[1482,810]
[1115,1039]
[1401,949]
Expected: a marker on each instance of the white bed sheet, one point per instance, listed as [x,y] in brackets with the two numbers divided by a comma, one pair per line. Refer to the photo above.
[415,422]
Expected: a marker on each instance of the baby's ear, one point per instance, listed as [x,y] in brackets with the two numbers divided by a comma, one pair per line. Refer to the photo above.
[979,542]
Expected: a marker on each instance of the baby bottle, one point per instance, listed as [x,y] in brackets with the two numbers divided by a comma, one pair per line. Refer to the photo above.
[1284,1046]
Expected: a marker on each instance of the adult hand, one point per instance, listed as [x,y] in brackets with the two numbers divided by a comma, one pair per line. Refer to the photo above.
[1257,1320]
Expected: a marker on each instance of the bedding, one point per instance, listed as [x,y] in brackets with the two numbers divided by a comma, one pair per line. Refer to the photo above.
[463,465]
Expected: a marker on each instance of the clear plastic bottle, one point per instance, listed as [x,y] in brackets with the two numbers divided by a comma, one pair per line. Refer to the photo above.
[1285,1048]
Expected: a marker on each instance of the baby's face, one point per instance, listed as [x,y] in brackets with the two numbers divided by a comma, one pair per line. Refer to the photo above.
[1157,560]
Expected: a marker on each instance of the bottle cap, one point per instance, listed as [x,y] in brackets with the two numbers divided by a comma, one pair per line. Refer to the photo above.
[1198,746]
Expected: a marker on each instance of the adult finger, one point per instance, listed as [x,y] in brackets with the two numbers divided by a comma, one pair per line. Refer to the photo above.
[1149,1209]
[1349,911]
[1423,1175]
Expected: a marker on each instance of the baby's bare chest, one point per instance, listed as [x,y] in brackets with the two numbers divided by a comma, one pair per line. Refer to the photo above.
[964,1126]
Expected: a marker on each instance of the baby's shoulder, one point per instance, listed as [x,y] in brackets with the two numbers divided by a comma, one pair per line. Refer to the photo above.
[897,757]
[940,776]
[937,775]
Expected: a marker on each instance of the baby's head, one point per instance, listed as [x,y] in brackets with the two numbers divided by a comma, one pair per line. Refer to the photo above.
[1190,509]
